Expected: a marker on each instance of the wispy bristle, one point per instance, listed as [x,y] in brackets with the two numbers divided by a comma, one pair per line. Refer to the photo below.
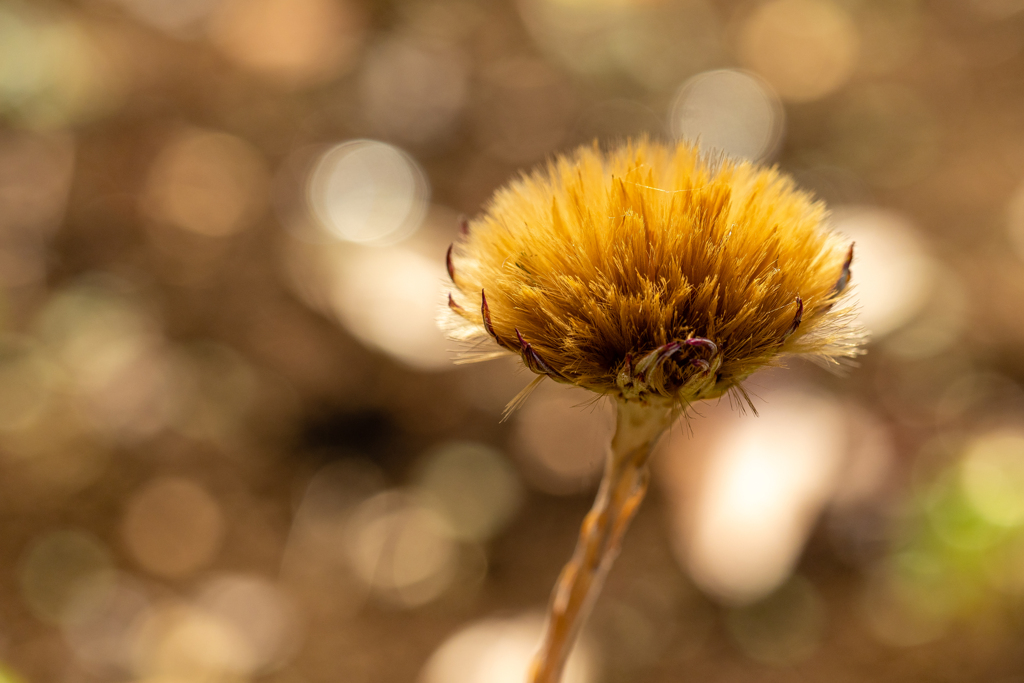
[599,260]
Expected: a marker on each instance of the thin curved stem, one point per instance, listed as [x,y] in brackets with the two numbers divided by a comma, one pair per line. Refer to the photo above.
[622,490]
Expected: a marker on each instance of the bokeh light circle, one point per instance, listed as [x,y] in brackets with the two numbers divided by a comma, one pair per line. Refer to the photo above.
[473,486]
[500,651]
[65,574]
[805,48]
[731,111]
[206,182]
[561,444]
[401,548]
[893,274]
[259,612]
[992,475]
[293,42]
[765,483]
[172,527]
[104,637]
[414,92]
[388,299]
[368,192]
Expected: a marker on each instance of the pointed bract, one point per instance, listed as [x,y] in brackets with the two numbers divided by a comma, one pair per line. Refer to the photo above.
[844,276]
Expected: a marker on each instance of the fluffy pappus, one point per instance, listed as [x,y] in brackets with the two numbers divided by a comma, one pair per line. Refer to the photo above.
[652,273]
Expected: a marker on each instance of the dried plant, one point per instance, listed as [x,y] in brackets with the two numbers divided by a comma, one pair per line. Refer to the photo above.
[658,277]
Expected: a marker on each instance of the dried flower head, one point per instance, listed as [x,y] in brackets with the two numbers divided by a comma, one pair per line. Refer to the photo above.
[652,273]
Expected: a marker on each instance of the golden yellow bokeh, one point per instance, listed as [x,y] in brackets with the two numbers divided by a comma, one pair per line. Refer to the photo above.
[206,182]
[172,527]
[806,49]
[294,42]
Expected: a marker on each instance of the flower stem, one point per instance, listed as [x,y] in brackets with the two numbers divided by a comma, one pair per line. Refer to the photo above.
[622,489]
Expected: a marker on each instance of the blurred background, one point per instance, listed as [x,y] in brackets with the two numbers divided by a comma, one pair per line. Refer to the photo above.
[234,446]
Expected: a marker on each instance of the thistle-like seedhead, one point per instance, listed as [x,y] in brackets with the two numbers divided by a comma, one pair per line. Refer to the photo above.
[652,273]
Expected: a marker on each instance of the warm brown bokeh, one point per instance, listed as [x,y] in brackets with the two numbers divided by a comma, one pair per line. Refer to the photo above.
[234,447]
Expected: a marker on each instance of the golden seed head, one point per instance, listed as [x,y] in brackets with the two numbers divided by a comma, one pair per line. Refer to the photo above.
[652,273]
